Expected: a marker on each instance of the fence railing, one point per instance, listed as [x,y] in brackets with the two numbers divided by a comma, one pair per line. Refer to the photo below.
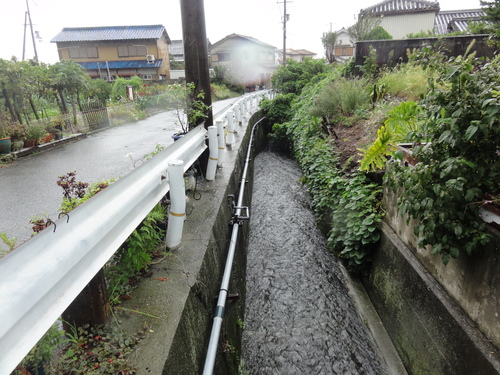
[41,278]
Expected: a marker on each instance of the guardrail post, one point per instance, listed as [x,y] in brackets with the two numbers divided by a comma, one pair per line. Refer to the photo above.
[177,212]
[221,140]
[237,113]
[91,306]
[230,129]
[241,105]
[213,153]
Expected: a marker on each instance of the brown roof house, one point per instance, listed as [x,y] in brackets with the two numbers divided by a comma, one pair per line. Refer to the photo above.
[110,51]
[249,61]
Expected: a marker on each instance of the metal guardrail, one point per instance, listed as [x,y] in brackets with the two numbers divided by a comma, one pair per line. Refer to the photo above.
[41,278]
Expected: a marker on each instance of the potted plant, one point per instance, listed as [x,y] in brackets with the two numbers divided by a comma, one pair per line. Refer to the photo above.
[18,134]
[34,134]
[5,142]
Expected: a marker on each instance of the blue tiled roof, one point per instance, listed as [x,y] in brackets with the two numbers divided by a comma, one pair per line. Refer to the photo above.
[93,34]
[124,64]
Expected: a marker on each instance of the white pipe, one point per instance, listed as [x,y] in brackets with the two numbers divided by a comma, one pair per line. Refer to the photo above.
[224,287]
[177,212]
[221,142]
[213,155]
[230,129]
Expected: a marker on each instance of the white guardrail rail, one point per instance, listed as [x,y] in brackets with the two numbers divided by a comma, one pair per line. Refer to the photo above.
[40,279]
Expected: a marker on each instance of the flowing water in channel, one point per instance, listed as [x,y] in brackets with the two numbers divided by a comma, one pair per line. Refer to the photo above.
[299,318]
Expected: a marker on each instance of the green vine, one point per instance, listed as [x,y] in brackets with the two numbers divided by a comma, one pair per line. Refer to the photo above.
[346,206]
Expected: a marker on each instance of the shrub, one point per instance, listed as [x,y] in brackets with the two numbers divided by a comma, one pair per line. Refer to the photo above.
[342,97]
[460,164]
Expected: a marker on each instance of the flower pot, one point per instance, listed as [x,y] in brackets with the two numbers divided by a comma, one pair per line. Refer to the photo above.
[46,139]
[5,145]
[30,143]
[177,136]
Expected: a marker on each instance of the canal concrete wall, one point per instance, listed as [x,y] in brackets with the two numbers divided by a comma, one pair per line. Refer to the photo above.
[441,319]
[174,306]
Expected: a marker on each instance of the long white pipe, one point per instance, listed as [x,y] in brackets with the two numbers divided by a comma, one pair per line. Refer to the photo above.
[221,302]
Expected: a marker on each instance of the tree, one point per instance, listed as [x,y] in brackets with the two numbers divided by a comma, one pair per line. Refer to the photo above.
[329,41]
[291,78]
[67,78]
[492,10]
[361,29]
[378,33]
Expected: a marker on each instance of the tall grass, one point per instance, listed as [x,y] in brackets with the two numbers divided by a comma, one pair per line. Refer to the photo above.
[407,82]
[343,97]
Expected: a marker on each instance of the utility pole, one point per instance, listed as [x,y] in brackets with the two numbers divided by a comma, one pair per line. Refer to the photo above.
[196,57]
[285,16]
[27,17]
[196,50]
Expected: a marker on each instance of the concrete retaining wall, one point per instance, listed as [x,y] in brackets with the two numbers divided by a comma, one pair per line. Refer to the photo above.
[430,330]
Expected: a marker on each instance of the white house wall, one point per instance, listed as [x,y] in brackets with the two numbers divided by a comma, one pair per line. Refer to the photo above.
[248,61]
[399,26]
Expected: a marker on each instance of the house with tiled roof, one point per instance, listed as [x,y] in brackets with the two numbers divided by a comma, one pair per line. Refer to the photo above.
[456,20]
[250,61]
[298,54]
[107,52]
[402,17]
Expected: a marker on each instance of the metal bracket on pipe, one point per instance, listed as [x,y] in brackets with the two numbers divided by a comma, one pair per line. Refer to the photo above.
[240,214]
[232,298]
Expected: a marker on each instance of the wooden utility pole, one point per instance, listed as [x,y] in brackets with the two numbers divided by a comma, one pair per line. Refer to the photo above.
[196,50]
[196,57]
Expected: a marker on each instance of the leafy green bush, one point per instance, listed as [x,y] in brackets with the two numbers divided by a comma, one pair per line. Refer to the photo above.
[294,76]
[346,206]
[402,123]
[134,256]
[460,163]
[121,114]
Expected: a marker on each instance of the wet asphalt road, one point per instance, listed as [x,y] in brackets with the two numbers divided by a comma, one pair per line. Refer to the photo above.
[28,187]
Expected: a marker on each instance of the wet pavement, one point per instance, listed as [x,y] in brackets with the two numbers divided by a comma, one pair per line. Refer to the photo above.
[299,318]
[28,186]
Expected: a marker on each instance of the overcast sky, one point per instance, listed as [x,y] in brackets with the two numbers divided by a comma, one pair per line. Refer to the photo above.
[261,19]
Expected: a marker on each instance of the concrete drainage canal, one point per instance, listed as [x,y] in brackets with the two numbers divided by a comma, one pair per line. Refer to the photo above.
[299,317]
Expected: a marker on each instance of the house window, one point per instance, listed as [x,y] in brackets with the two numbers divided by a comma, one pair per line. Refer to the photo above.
[132,51]
[224,56]
[147,77]
[83,52]
[344,51]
